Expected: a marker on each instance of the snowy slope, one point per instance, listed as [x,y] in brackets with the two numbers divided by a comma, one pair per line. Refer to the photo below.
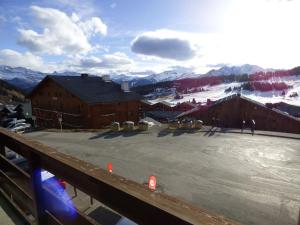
[218,91]
[236,70]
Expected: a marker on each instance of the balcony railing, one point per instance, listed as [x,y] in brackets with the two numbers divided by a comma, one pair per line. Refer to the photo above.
[130,199]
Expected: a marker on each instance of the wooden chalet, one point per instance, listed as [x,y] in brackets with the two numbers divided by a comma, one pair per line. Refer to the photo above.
[82,102]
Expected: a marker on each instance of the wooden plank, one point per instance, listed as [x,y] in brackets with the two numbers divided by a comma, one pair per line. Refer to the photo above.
[52,220]
[6,163]
[11,182]
[128,198]
[19,196]
[16,207]
[22,188]
[66,216]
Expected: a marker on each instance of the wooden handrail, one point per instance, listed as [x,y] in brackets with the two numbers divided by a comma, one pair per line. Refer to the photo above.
[128,198]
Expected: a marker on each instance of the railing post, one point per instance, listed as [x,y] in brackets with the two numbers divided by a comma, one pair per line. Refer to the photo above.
[38,195]
[2,149]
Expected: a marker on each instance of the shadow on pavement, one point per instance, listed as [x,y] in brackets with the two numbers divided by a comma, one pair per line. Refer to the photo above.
[114,134]
[175,132]
[163,133]
[211,132]
[105,216]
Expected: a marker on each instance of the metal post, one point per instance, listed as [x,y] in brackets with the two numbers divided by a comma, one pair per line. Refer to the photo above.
[38,195]
[60,123]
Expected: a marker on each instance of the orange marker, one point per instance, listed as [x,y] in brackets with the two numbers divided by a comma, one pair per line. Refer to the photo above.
[109,167]
[152,183]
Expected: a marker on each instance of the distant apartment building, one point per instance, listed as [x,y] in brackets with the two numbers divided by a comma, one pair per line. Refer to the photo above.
[82,102]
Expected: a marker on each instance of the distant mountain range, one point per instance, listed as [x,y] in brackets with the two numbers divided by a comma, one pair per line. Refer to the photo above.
[26,79]
[9,93]
[235,70]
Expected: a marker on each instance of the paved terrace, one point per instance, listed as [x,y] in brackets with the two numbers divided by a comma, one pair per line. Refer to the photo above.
[251,179]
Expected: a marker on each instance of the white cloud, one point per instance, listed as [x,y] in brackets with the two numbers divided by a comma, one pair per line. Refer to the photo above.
[116,60]
[164,44]
[84,8]
[13,58]
[61,34]
[93,26]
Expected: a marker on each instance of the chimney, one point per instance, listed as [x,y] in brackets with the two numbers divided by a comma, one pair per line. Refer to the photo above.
[125,86]
[84,75]
[106,78]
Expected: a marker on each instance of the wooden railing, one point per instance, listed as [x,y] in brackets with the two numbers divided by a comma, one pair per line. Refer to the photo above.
[124,196]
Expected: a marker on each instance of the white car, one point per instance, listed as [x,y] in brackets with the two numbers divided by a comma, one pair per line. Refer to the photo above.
[19,127]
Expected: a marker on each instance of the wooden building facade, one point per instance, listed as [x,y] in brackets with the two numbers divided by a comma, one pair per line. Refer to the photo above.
[82,102]
[232,110]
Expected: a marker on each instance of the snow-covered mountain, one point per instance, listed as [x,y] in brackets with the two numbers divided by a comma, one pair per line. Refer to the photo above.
[236,70]
[26,79]
[9,73]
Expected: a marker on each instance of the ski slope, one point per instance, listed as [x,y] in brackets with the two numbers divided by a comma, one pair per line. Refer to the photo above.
[218,91]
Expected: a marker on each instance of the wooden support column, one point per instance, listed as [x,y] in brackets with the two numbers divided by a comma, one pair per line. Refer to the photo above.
[38,195]
[2,148]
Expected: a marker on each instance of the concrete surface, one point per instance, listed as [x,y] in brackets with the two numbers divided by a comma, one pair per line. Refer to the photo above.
[251,179]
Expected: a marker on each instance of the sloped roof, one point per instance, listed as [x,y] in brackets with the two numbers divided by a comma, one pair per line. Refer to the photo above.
[171,115]
[164,103]
[93,89]
[254,102]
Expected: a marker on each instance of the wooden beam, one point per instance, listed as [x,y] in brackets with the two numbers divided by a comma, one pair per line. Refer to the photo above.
[2,148]
[37,189]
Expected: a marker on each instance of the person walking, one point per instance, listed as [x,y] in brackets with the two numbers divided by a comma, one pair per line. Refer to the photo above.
[243,125]
[252,126]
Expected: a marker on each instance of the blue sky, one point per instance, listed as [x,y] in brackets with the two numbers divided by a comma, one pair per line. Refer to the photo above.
[117,36]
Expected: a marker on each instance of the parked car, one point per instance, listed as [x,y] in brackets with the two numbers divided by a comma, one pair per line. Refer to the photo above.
[5,122]
[20,127]
[15,121]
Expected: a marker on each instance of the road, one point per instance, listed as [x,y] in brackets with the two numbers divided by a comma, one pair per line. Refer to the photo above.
[251,179]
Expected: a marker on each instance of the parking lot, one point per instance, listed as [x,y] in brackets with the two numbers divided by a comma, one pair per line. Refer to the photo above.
[251,179]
